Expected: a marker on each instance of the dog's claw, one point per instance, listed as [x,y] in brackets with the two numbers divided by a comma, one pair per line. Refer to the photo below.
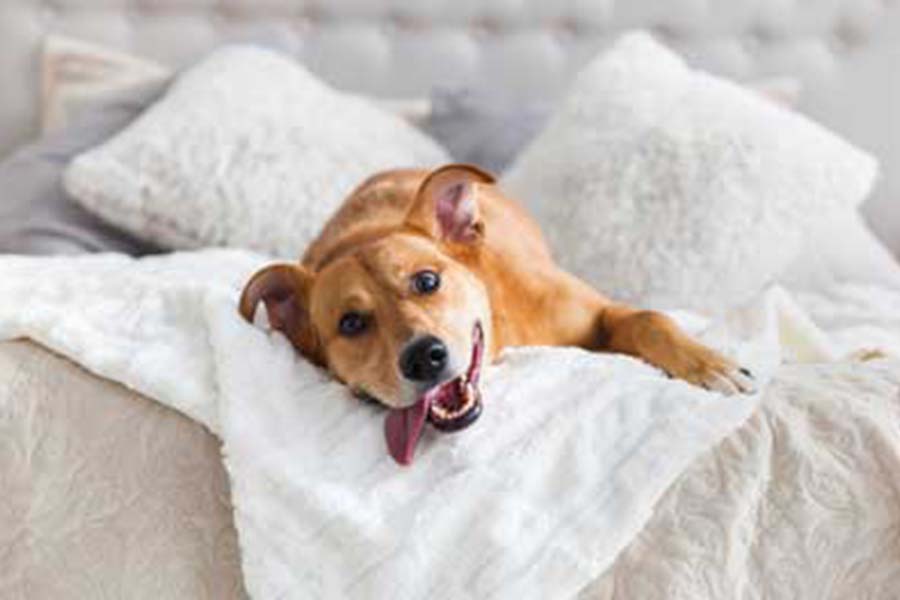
[745,381]
[710,370]
[722,384]
[724,377]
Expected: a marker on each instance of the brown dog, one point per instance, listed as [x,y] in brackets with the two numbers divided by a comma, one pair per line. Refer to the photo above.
[420,275]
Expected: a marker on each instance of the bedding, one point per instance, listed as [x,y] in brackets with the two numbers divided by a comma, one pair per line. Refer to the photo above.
[247,149]
[800,503]
[480,127]
[484,127]
[474,126]
[309,521]
[679,189]
[328,512]
[37,215]
[702,541]
[841,248]
[91,93]
[77,76]
[106,493]
[843,51]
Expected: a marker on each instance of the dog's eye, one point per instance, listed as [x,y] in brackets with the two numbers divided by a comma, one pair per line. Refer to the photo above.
[426,282]
[351,323]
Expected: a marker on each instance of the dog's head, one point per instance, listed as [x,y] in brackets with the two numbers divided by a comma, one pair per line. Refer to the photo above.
[397,314]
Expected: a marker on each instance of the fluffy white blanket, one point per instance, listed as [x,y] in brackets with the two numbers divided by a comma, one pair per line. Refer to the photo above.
[534,501]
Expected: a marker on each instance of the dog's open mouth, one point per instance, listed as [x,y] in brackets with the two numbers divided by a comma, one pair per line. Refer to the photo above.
[449,406]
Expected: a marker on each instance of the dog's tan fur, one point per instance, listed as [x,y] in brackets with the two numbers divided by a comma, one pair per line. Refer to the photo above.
[495,268]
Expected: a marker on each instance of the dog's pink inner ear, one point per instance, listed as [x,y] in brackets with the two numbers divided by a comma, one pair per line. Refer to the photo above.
[446,205]
[281,308]
[456,211]
[283,289]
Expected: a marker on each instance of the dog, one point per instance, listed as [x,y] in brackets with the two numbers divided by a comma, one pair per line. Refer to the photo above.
[421,277]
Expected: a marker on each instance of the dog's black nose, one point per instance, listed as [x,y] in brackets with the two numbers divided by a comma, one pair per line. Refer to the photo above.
[424,359]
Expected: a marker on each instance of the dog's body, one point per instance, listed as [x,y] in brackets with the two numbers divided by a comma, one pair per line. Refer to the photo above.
[420,273]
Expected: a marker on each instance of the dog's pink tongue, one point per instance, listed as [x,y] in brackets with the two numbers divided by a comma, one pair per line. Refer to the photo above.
[402,428]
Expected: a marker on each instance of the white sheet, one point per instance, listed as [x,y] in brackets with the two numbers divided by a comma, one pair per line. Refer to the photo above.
[535,501]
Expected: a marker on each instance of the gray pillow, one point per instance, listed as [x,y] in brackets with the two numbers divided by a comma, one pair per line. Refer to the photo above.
[490,127]
[483,128]
[36,214]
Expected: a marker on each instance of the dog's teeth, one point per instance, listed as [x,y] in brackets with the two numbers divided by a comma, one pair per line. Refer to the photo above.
[466,396]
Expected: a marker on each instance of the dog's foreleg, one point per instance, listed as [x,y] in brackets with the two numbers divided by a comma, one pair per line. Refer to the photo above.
[655,338]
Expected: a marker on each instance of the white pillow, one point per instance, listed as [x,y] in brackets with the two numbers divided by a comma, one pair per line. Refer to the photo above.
[859,258]
[669,187]
[841,249]
[246,149]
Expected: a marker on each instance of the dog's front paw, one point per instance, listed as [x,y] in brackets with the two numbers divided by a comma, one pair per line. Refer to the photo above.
[706,368]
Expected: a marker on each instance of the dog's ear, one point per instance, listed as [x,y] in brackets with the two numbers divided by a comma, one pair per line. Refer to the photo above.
[284,289]
[446,204]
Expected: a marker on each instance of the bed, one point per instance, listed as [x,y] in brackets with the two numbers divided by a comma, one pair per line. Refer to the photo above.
[801,501]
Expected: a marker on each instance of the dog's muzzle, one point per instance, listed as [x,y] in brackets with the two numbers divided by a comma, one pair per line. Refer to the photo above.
[449,406]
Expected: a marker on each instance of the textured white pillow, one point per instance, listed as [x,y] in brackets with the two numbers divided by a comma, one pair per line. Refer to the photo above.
[841,249]
[246,149]
[669,187]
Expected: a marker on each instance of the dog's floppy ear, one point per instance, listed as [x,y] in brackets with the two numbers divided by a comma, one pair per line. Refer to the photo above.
[284,288]
[446,204]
